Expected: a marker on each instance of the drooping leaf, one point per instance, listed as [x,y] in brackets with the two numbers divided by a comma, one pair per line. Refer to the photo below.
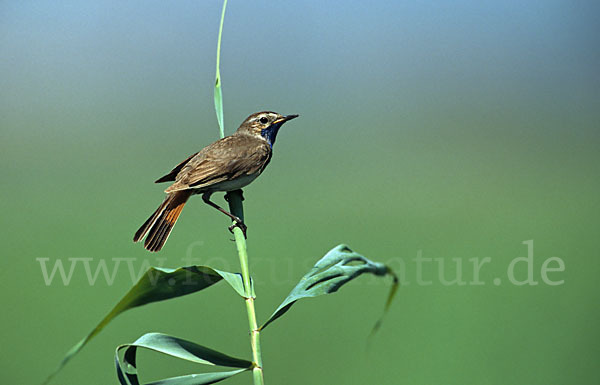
[179,348]
[125,359]
[198,379]
[339,266]
[159,284]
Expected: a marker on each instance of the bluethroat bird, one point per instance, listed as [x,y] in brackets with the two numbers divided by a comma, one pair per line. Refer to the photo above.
[228,164]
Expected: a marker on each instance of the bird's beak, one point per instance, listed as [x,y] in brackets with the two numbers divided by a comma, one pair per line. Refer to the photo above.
[285,119]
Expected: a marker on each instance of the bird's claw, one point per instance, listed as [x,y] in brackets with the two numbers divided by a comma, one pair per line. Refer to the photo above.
[242,227]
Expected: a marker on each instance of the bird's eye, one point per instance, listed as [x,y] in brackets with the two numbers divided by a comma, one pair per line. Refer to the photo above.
[264,120]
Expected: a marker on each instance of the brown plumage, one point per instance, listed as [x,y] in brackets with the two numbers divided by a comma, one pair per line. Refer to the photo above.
[228,164]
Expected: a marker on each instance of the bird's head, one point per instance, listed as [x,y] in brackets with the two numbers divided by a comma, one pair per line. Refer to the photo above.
[265,124]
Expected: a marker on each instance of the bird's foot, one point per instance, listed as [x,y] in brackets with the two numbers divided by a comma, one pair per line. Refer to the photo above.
[241,225]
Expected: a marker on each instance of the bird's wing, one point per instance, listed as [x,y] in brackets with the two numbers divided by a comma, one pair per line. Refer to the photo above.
[226,159]
[173,173]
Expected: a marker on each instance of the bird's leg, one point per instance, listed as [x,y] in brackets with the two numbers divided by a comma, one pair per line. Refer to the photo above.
[238,222]
[241,195]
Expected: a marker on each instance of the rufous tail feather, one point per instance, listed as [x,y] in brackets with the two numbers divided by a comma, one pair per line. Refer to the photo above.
[160,224]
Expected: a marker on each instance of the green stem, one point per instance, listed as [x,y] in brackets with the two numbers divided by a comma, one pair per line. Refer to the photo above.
[218,92]
[236,208]
[235,199]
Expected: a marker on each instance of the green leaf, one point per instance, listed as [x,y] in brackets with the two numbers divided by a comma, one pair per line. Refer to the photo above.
[198,379]
[159,284]
[179,348]
[339,266]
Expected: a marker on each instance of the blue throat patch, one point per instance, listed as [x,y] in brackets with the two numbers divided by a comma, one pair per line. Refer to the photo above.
[270,134]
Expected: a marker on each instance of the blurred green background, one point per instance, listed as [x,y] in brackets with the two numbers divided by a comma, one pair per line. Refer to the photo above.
[451,130]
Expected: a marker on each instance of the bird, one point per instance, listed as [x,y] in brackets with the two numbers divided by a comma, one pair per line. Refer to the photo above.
[228,164]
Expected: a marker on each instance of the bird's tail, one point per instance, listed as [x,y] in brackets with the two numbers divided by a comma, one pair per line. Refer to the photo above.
[159,225]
